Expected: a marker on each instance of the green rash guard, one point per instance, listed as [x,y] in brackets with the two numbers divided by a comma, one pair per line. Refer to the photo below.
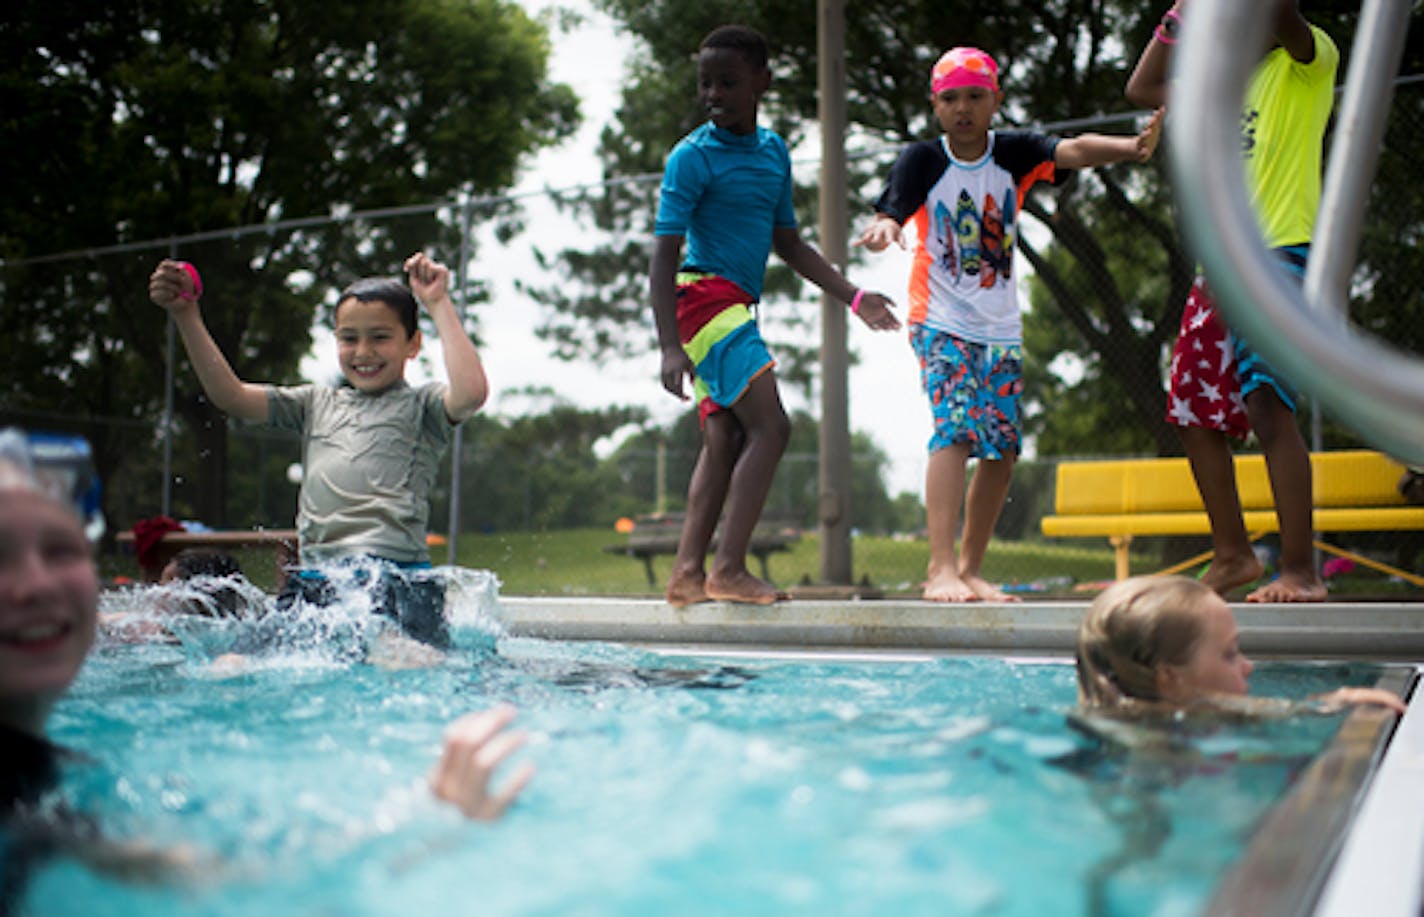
[1283,123]
[368,462]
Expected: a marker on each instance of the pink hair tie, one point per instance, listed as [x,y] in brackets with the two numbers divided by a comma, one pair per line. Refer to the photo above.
[855,302]
[197,282]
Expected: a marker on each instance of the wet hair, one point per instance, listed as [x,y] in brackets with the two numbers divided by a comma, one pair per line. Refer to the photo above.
[197,562]
[391,292]
[1130,630]
[745,40]
[209,597]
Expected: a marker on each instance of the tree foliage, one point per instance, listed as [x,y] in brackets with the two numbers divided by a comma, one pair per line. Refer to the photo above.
[794,489]
[541,471]
[131,122]
[1111,271]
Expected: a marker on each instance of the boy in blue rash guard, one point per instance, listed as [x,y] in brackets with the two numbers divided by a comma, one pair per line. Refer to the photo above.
[369,450]
[727,191]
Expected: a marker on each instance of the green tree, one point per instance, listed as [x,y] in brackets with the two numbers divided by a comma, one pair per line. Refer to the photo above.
[540,471]
[1110,270]
[1059,61]
[1114,280]
[794,489]
[131,122]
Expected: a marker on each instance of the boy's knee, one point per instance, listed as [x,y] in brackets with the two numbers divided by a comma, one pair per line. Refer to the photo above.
[722,435]
[1270,418]
[779,429]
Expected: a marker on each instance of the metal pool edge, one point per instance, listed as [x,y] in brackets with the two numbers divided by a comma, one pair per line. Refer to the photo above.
[1386,631]
[1293,849]
[1380,867]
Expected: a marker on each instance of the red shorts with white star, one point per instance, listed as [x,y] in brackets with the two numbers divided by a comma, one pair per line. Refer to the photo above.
[1205,390]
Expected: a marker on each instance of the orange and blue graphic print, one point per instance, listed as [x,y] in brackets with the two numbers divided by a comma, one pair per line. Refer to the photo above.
[977,243]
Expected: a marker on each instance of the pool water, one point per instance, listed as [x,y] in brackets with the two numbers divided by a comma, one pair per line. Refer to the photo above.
[665,784]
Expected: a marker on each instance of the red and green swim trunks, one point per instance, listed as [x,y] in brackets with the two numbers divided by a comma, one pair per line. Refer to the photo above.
[720,334]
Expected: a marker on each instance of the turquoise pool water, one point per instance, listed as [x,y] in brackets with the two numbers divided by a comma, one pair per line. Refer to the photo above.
[665,784]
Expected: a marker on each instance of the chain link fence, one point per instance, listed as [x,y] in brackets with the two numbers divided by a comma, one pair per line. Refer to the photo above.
[96,353]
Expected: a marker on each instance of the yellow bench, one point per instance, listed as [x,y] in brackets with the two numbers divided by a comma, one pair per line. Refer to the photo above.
[1354,490]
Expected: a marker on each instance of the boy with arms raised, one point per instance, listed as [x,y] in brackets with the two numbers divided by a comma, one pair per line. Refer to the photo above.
[964,191]
[369,449]
[727,192]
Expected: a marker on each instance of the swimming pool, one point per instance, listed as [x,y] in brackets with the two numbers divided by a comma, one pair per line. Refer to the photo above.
[668,782]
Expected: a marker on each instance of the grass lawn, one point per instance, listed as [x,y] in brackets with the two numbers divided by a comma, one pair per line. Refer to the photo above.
[573,562]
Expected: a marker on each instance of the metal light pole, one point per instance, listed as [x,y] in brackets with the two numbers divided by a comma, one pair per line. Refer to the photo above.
[457,447]
[170,361]
[835,473]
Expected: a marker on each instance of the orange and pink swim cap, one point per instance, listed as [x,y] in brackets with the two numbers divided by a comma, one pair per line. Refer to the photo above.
[960,67]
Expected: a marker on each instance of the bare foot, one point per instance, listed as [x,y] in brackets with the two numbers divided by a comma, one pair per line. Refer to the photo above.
[1291,587]
[686,589]
[742,586]
[985,590]
[946,586]
[1226,573]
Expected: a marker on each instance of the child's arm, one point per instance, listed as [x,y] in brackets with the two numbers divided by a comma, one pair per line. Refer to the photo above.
[1362,697]
[1101,149]
[662,290]
[873,308]
[1292,32]
[1147,86]
[171,287]
[883,230]
[468,388]
[475,745]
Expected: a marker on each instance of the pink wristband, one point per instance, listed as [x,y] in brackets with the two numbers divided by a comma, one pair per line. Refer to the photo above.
[1165,33]
[855,302]
[197,282]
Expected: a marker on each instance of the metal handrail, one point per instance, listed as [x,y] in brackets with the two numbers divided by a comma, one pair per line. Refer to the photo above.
[1376,389]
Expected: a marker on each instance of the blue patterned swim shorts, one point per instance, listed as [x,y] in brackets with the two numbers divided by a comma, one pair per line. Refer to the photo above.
[974,392]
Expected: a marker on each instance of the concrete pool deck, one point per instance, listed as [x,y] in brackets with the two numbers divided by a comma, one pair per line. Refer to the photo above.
[1380,631]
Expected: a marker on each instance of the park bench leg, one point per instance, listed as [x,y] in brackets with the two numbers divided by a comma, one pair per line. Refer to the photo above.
[765,559]
[1372,564]
[1122,562]
[648,566]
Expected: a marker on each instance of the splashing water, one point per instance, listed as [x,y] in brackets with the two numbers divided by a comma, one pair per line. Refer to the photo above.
[212,617]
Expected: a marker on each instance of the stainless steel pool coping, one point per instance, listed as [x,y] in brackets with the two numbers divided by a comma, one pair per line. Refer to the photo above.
[1380,868]
[1293,850]
[1382,631]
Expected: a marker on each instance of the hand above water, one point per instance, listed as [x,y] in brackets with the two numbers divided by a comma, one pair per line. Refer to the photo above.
[1360,697]
[475,746]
